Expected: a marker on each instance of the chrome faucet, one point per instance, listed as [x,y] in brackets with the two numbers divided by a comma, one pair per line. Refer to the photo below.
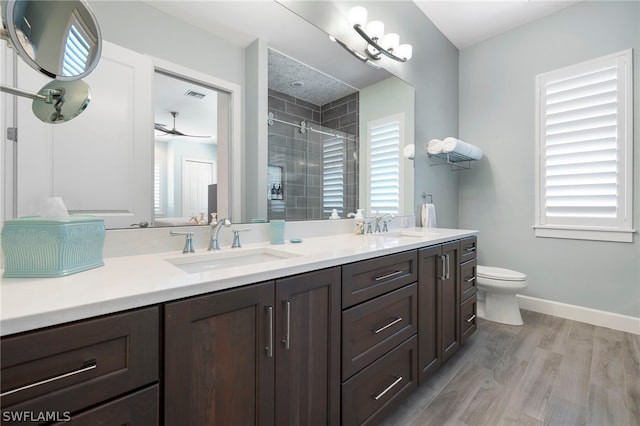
[385,220]
[188,242]
[214,242]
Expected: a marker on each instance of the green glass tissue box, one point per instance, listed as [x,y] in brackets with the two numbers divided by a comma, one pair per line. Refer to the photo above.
[36,247]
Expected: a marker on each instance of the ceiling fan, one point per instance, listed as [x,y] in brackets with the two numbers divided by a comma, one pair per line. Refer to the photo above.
[174,131]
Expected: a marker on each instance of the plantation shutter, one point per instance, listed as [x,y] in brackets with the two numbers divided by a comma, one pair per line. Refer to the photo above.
[384,168]
[583,145]
[333,175]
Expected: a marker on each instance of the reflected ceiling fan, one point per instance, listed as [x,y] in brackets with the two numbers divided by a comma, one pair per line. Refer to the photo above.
[174,131]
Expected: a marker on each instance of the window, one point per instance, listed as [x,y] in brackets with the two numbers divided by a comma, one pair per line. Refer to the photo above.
[385,140]
[333,175]
[77,47]
[584,146]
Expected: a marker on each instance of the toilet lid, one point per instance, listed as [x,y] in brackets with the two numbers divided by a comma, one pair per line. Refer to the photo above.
[499,273]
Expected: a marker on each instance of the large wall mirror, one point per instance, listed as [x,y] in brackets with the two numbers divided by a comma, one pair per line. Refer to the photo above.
[138,26]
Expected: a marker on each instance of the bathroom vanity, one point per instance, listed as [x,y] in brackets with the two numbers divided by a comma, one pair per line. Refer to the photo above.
[340,332]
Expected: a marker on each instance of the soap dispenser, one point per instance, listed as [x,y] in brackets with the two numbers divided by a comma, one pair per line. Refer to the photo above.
[334,214]
[359,217]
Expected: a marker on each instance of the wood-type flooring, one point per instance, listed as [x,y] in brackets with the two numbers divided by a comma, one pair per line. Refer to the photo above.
[550,371]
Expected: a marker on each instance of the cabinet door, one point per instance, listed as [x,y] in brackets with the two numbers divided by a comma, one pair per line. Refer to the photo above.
[429,336]
[308,355]
[218,369]
[450,302]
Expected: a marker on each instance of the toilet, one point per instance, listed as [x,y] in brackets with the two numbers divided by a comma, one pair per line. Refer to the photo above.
[497,290]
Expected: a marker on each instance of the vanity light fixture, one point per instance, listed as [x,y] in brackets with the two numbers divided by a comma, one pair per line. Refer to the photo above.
[378,43]
[358,55]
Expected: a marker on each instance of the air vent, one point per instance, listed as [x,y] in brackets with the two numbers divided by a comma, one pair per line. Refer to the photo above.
[193,94]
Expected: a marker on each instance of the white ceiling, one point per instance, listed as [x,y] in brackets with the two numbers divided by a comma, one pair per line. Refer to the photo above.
[468,22]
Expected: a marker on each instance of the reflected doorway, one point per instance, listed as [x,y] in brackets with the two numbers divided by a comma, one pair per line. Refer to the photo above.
[188,118]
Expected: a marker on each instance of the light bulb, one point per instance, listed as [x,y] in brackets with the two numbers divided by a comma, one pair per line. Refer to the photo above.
[404,51]
[391,41]
[357,15]
[375,29]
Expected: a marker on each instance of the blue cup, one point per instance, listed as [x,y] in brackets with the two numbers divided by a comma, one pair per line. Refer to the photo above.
[277,231]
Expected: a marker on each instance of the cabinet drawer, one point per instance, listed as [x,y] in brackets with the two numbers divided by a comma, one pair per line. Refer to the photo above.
[468,319]
[468,278]
[367,279]
[468,249]
[138,409]
[371,329]
[369,395]
[70,367]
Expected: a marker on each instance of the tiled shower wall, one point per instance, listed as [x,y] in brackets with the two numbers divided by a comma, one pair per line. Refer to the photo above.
[300,155]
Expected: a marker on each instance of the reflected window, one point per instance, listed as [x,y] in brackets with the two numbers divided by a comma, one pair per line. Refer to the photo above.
[77,48]
[333,163]
[384,169]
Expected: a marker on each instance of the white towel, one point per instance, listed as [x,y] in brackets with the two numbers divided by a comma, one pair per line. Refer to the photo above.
[459,147]
[428,216]
[434,146]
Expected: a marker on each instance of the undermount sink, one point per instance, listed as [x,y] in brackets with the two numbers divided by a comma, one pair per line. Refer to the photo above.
[415,234]
[227,259]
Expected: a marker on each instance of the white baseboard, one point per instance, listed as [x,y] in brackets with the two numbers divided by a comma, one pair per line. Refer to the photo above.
[591,316]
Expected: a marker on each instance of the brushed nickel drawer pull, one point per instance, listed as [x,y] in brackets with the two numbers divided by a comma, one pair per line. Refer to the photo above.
[287,307]
[469,249]
[448,267]
[470,279]
[269,348]
[381,329]
[471,318]
[443,276]
[384,277]
[381,394]
[90,366]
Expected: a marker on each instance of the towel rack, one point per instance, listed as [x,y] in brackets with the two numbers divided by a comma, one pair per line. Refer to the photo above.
[425,195]
[455,160]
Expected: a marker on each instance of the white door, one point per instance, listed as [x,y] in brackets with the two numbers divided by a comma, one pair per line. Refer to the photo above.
[197,175]
[100,163]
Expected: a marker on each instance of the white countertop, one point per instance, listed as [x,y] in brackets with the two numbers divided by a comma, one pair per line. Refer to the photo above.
[134,281]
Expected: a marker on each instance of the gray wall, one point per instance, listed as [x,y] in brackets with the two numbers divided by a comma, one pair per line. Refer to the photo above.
[497,80]
[433,72]
[145,29]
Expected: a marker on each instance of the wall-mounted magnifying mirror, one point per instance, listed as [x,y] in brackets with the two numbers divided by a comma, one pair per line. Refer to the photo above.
[60,39]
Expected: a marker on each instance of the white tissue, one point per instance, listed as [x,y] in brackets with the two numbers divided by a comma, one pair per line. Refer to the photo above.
[53,207]
[434,146]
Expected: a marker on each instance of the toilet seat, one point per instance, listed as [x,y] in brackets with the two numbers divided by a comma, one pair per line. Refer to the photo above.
[500,274]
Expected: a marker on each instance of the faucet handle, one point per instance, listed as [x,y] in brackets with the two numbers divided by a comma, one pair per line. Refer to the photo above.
[188,243]
[236,237]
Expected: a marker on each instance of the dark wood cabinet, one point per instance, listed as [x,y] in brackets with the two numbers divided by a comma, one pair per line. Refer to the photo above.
[366,279]
[439,310]
[468,288]
[343,345]
[375,391]
[379,343]
[62,371]
[371,329]
[307,380]
[262,354]
[218,365]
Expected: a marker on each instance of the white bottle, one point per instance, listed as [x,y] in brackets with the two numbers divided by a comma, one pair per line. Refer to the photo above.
[359,217]
[334,214]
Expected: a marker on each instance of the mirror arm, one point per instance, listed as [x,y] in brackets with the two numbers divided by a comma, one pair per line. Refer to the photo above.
[20,92]
[52,95]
